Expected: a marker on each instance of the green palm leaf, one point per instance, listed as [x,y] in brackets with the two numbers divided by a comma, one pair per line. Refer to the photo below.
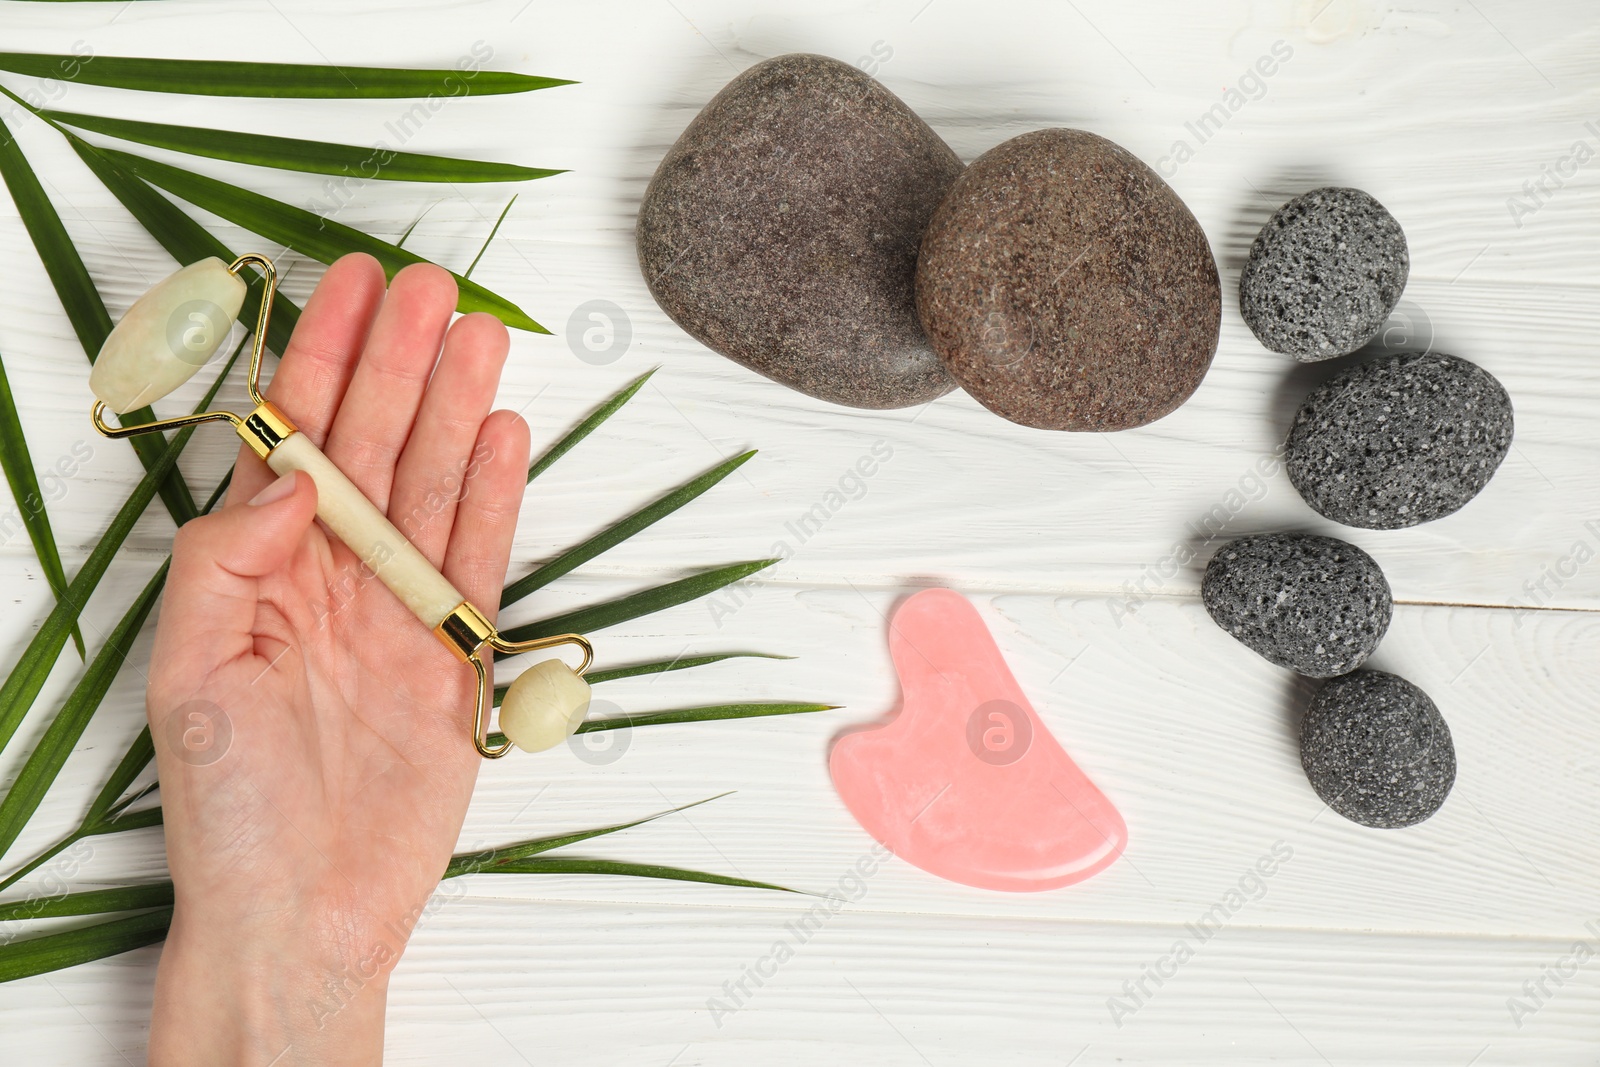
[681,663]
[487,241]
[473,862]
[52,952]
[185,239]
[709,713]
[320,238]
[619,532]
[660,666]
[22,685]
[27,677]
[644,602]
[400,242]
[50,755]
[130,898]
[134,820]
[706,714]
[201,77]
[291,153]
[79,298]
[588,425]
[138,820]
[90,902]
[24,482]
[556,865]
[133,761]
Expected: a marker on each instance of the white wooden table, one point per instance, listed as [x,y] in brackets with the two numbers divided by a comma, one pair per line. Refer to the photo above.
[1402,947]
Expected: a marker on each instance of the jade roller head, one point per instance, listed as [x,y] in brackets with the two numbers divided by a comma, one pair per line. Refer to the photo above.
[544,706]
[168,335]
[174,330]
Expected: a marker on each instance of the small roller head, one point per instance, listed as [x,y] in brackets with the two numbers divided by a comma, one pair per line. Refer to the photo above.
[544,706]
[167,335]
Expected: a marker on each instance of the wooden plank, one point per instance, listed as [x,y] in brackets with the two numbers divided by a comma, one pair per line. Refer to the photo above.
[1190,734]
[504,982]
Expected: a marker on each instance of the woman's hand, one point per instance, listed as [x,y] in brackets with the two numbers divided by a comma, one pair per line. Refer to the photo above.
[313,739]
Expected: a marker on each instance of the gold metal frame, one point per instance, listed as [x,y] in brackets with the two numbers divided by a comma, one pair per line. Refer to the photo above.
[466,631]
[480,719]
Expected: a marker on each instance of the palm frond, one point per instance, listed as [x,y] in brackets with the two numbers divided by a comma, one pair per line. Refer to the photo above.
[27,677]
[79,298]
[207,77]
[89,902]
[620,531]
[487,241]
[678,663]
[709,713]
[53,952]
[634,605]
[559,865]
[143,186]
[308,233]
[185,239]
[133,762]
[588,425]
[293,153]
[17,462]
[44,763]
[473,862]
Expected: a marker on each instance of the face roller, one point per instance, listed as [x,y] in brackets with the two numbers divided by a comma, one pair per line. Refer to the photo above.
[169,334]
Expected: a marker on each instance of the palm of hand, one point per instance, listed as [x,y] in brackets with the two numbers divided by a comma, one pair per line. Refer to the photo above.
[329,794]
[347,765]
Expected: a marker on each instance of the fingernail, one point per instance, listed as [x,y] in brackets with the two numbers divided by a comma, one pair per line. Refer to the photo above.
[276,491]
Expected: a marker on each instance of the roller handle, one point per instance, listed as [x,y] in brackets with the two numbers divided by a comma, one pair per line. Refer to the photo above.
[371,536]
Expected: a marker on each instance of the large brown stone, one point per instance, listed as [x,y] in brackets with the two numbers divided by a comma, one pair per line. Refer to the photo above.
[782,229]
[1067,287]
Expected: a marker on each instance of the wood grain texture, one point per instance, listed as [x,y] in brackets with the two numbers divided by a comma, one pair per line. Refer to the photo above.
[1363,947]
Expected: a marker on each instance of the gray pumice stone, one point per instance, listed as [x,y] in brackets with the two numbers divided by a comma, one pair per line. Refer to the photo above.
[1377,751]
[1323,274]
[1316,605]
[1399,440]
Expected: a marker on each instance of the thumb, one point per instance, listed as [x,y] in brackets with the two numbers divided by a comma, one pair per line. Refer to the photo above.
[255,539]
[217,562]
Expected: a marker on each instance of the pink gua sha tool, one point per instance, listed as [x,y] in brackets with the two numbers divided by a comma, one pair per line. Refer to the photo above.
[966,782]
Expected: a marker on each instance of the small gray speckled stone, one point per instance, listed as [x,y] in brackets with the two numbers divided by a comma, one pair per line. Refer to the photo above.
[1316,605]
[782,230]
[1376,750]
[1399,440]
[1067,287]
[1323,275]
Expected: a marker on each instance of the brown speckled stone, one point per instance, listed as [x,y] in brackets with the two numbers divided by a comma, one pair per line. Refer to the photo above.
[782,228]
[1067,287]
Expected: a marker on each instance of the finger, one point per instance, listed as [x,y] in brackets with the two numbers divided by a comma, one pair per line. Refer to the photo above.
[381,403]
[486,518]
[311,377]
[208,615]
[433,465]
